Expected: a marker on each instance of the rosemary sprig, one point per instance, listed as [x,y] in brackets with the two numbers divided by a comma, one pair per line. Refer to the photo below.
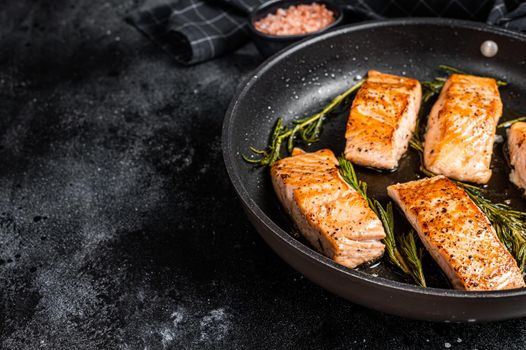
[414,255]
[308,129]
[432,88]
[450,69]
[508,123]
[516,245]
[272,153]
[408,258]
[349,175]
[417,142]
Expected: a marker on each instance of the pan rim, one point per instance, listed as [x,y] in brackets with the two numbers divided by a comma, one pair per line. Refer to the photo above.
[250,204]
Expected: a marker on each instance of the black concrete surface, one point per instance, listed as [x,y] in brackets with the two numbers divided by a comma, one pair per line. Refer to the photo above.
[118,226]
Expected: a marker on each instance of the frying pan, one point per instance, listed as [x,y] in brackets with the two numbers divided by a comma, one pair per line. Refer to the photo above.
[303,78]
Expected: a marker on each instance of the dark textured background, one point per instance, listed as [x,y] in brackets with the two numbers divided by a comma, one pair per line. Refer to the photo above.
[118,226]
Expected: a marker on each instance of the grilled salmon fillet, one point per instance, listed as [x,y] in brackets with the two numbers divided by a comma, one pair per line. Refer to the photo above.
[382,120]
[461,128]
[457,234]
[517,149]
[330,214]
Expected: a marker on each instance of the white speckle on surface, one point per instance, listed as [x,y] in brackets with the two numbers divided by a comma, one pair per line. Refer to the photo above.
[459,340]
[499,139]
[177,317]
[65,294]
[172,331]
[214,326]
[205,168]
[166,337]
[447,345]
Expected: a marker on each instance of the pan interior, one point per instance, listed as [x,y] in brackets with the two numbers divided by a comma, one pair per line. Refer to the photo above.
[300,81]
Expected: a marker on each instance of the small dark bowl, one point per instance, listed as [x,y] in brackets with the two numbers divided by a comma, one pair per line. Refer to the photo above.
[270,44]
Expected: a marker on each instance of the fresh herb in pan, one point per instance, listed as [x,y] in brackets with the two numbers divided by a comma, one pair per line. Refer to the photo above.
[414,256]
[417,142]
[450,70]
[272,153]
[349,175]
[431,88]
[308,129]
[509,123]
[407,257]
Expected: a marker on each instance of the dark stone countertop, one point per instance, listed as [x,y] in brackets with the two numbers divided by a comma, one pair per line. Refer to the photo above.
[119,228]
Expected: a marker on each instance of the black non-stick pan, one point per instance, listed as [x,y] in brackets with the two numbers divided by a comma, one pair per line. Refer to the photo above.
[303,78]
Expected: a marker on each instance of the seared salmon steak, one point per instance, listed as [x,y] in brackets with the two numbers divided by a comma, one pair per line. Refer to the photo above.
[330,214]
[517,149]
[457,234]
[382,120]
[461,128]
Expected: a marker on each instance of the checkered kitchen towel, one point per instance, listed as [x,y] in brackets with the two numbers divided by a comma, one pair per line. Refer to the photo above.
[193,31]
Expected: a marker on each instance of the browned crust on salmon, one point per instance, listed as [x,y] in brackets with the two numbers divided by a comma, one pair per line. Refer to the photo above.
[457,234]
[461,128]
[332,216]
[382,120]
